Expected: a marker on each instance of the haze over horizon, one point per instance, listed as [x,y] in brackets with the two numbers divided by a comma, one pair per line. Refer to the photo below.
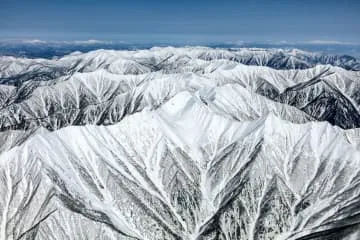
[189,21]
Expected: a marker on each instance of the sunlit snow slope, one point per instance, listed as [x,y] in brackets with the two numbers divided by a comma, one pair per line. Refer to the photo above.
[180,143]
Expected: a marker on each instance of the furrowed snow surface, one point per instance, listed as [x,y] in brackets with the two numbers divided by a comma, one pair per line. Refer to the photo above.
[180,143]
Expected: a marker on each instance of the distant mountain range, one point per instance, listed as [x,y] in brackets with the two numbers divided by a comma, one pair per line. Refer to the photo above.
[35,48]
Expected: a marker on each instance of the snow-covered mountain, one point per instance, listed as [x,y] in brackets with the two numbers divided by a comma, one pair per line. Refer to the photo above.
[155,59]
[180,143]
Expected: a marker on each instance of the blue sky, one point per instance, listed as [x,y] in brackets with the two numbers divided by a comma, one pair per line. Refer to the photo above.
[182,20]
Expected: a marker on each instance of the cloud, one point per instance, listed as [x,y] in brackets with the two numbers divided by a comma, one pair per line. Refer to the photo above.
[312,42]
[91,41]
[328,42]
[24,41]
[237,42]
[34,41]
[75,42]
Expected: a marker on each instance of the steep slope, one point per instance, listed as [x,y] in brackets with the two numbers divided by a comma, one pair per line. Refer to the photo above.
[141,61]
[180,143]
[104,98]
[183,172]
[326,93]
[103,87]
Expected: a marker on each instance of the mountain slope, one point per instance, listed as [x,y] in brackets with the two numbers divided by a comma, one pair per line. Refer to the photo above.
[187,179]
[179,143]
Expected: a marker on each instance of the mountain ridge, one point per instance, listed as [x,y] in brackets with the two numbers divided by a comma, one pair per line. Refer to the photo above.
[173,143]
